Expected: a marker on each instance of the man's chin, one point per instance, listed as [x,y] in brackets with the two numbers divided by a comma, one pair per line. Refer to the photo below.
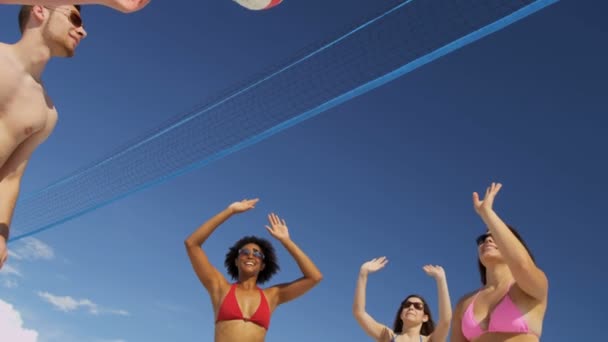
[68,52]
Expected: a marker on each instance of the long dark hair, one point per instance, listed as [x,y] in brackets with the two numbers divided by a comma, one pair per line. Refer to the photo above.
[482,268]
[427,327]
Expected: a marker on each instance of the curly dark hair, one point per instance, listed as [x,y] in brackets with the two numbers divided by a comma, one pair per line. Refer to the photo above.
[24,15]
[427,327]
[270,258]
[482,268]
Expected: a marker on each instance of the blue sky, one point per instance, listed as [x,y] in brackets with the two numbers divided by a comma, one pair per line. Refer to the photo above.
[389,173]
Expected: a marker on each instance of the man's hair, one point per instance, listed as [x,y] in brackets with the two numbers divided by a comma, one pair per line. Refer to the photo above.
[24,15]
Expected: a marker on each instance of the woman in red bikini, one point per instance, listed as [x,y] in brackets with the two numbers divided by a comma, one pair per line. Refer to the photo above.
[511,305]
[242,309]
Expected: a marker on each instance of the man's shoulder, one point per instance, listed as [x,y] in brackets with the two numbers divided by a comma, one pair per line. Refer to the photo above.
[4,47]
[6,52]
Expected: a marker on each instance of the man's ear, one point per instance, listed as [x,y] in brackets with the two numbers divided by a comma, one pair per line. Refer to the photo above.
[39,13]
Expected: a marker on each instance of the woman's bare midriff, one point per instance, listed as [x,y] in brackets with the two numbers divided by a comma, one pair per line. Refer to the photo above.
[239,331]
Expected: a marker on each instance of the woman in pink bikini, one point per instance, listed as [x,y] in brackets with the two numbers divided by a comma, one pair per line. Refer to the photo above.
[242,309]
[511,305]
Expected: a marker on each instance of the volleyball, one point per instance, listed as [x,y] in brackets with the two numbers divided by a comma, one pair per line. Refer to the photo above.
[257,5]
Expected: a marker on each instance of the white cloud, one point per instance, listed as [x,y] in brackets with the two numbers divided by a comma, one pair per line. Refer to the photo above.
[119,312]
[67,304]
[32,249]
[9,283]
[10,270]
[8,273]
[13,255]
[11,325]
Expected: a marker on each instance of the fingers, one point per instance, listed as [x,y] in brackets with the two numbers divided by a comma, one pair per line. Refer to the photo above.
[272,219]
[379,259]
[494,189]
[497,187]
[379,262]
[491,191]
[246,204]
[476,200]
[270,230]
[432,269]
[275,220]
[432,266]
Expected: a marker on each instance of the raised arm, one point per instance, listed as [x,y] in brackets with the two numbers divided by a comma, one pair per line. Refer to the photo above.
[209,276]
[125,6]
[11,174]
[365,320]
[528,276]
[442,329]
[311,274]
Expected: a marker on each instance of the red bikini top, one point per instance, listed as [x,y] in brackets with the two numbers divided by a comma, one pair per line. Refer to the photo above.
[230,310]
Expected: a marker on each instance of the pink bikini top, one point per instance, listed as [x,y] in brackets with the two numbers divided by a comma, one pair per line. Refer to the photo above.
[506,318]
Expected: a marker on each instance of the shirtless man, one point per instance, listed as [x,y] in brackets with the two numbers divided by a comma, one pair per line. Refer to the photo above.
[27,114]
[125,6]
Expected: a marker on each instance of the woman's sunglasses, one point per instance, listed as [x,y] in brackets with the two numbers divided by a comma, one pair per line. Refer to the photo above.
[482,238]
[249,252]
[73,16]
[417,305]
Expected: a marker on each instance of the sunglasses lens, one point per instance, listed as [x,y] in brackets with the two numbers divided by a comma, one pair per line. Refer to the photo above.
[417,306]
[248,252]
[482,238]
[75,19]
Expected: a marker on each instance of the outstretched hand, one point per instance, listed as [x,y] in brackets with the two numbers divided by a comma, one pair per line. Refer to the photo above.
[484,206]
[434,271]
[374,265]
[278,227]
[126,6]
[243,206]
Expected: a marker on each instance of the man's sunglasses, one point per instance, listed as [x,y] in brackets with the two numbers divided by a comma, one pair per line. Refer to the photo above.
[249,252]
[482,238]
[417,305]
[72,15]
